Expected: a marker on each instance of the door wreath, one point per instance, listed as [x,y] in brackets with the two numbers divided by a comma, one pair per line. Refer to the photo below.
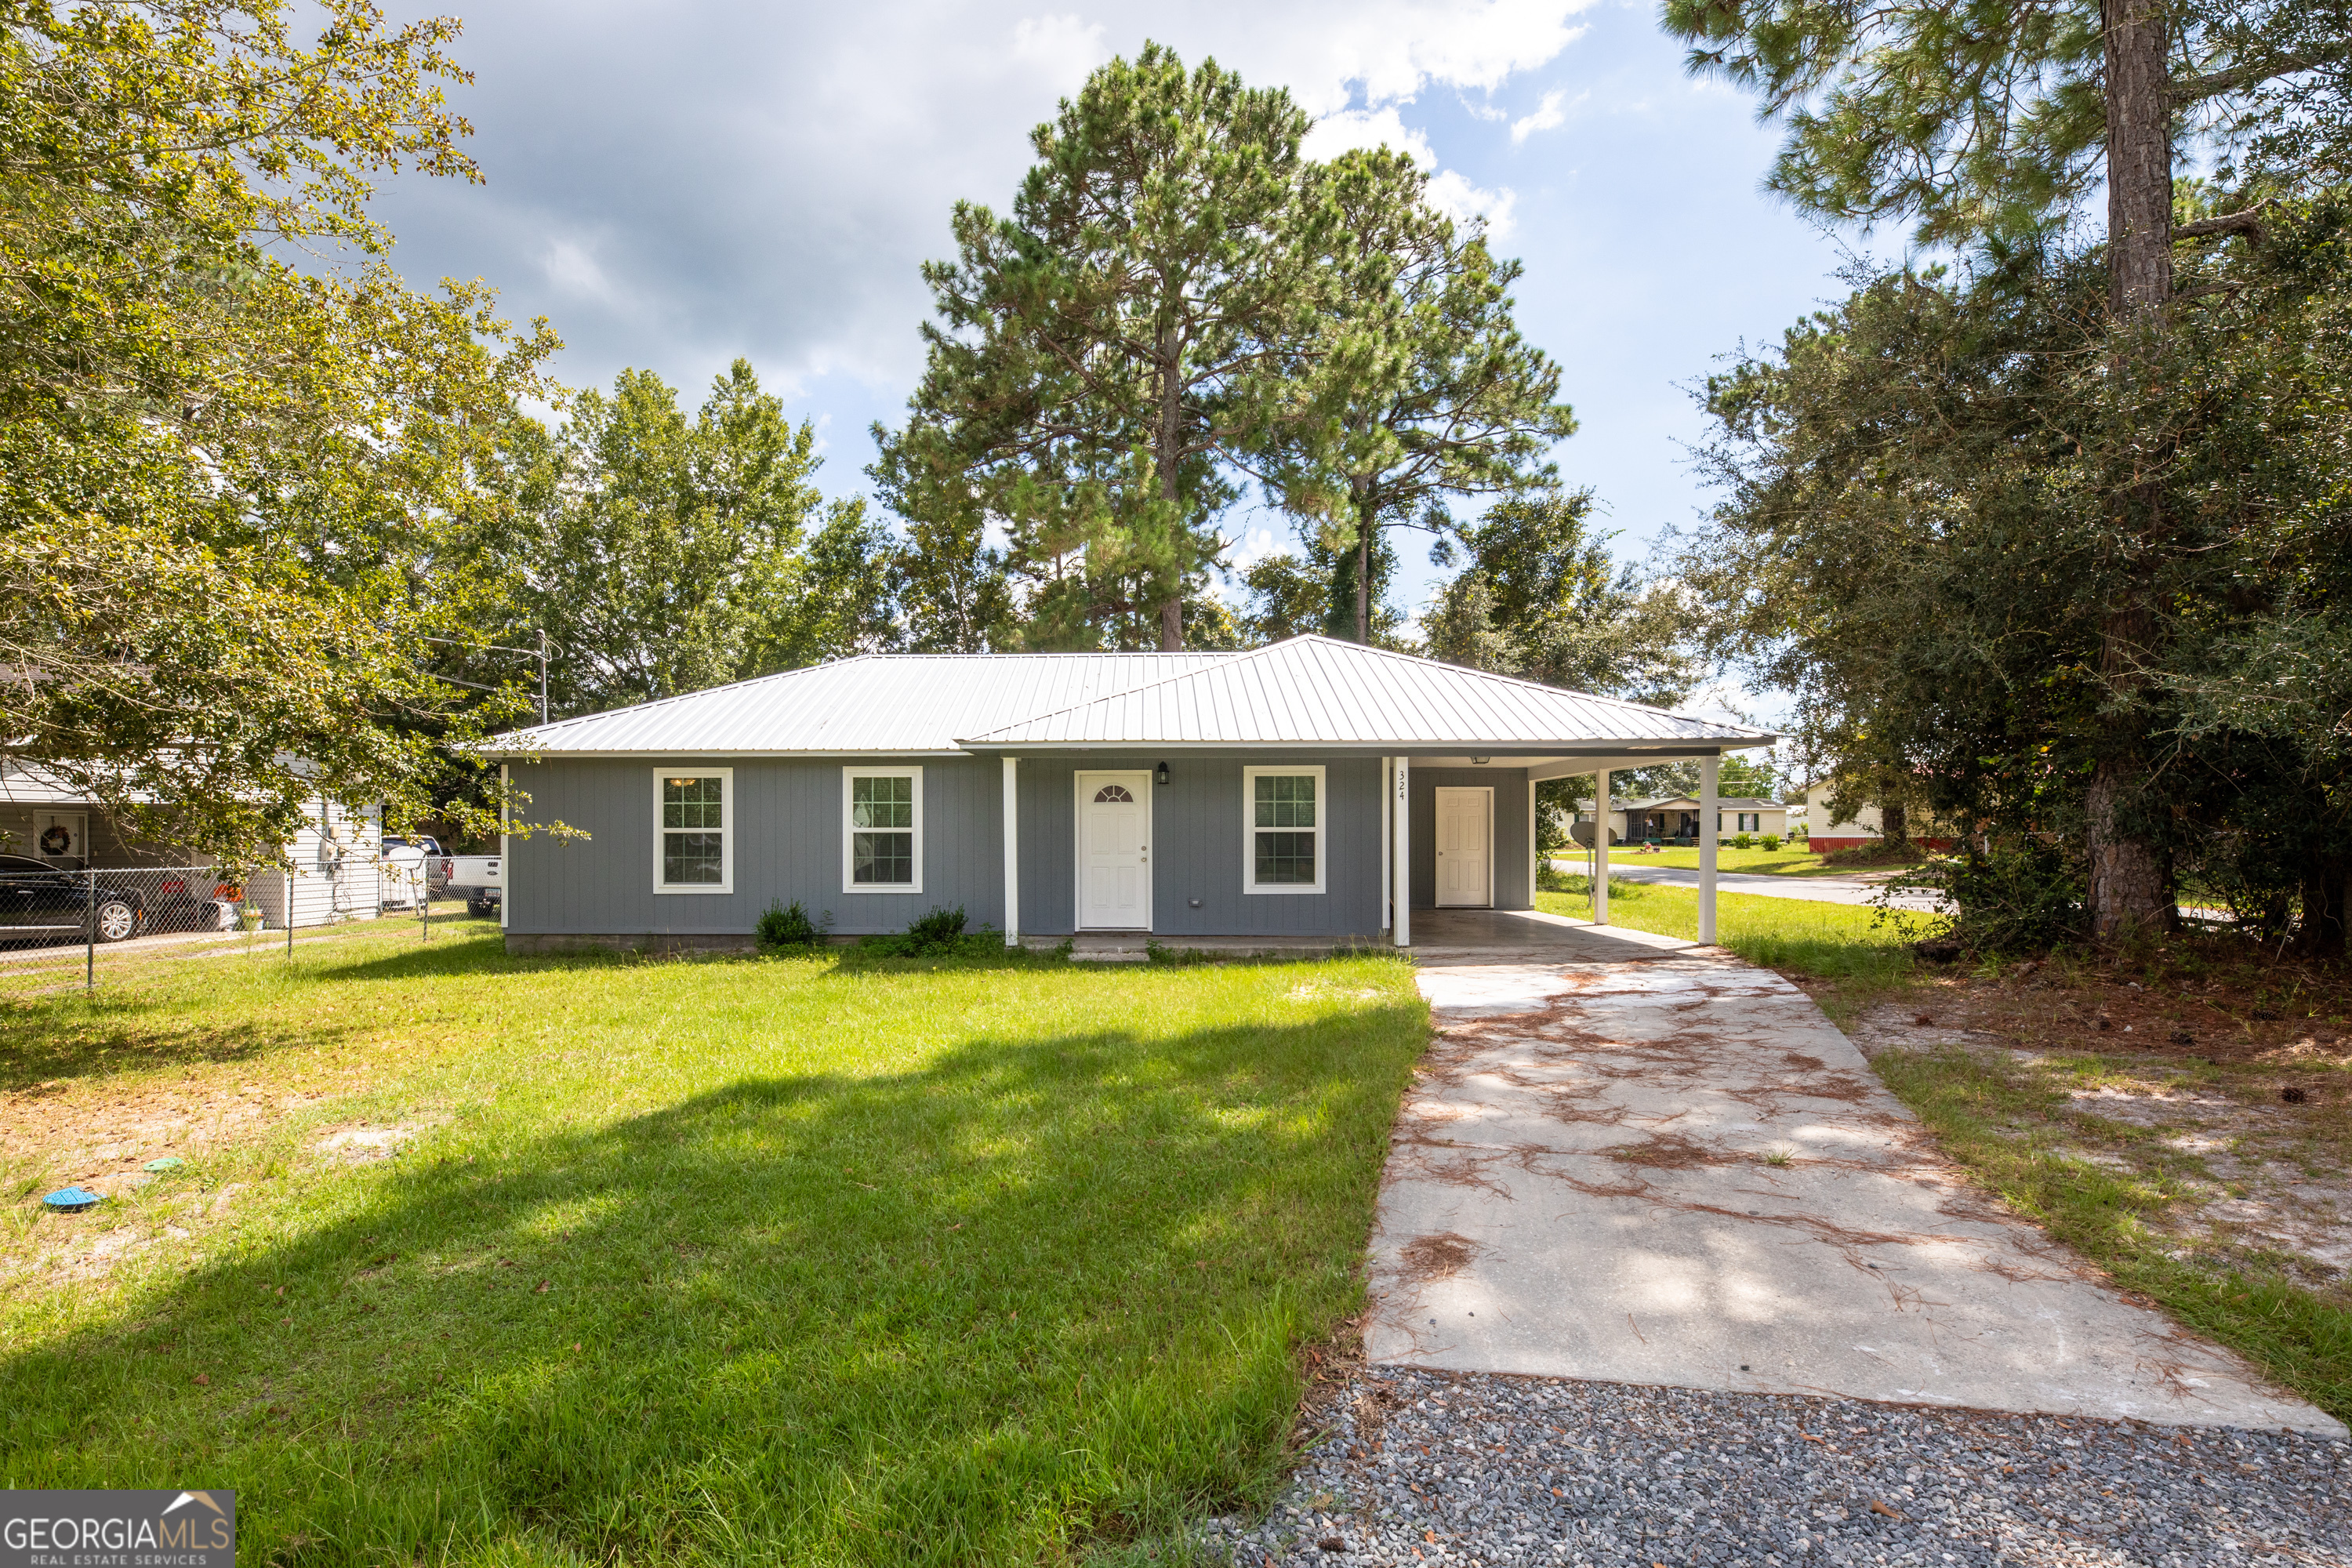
[57,839]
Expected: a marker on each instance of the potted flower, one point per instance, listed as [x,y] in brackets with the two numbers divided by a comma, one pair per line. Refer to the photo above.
[251,917]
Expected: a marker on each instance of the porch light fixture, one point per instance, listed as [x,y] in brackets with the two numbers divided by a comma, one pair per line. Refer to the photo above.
[1160,773]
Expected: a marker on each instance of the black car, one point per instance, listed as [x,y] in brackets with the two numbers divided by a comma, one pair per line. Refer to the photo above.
[39,902]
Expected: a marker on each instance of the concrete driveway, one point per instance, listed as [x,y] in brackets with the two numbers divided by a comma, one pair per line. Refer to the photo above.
[1664,1166]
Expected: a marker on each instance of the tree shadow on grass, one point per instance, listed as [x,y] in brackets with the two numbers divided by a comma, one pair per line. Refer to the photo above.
[1034,1291]
[108,1041]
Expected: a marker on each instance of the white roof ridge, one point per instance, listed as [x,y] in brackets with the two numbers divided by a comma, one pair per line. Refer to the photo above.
[1219,658]
[1318,638]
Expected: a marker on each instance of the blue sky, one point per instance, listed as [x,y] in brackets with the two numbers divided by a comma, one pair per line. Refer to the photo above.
[673,185]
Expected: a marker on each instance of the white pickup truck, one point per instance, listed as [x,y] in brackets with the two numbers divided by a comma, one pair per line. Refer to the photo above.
[478,878]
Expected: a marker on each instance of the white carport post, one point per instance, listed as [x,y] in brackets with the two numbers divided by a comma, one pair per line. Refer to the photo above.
[1012,852]
[1535,855]
[1708,833]
[1401,855]
[1388,842]
[1601,847]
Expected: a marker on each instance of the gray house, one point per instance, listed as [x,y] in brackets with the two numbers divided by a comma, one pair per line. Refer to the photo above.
[1312,789]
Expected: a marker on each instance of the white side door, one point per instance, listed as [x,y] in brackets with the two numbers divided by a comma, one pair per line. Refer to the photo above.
[1464,847]
[1114,851]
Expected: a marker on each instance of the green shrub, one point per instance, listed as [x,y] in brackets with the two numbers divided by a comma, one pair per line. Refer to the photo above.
[1743,841]
[938,932]
[787,925]
[1771,843]
[2023,896]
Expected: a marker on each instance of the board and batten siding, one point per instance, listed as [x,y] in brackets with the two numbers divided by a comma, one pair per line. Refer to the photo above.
[786,822]
[1514,857]
[787,825]
[1199,839]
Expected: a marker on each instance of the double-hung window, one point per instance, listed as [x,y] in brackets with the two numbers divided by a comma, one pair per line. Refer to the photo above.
[693,830]
[882,831]
[1283,832]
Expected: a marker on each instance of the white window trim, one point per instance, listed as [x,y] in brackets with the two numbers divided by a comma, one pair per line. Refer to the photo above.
[1321,830]
[848,861]
[726,883]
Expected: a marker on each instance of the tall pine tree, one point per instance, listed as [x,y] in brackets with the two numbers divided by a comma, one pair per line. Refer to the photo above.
[1416,385]
[1101,354]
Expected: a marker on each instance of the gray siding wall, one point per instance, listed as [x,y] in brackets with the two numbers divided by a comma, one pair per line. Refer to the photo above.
[1199,833]
[1514,855]
[787,822]
[787,828]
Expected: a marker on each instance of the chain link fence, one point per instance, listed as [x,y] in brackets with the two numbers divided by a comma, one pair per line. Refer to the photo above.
[52,915]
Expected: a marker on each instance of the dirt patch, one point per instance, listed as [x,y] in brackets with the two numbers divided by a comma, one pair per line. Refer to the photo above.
[362,1144]
[2261,1177]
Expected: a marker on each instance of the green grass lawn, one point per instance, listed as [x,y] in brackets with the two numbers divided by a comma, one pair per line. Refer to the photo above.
[1846,943]
[1791,861]
[816,1260]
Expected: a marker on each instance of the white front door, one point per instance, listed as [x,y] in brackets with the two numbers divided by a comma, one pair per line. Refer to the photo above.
[1466,822]
[1115,851]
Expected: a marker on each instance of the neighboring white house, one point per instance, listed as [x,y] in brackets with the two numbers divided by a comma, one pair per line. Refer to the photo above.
[1827,833]
[331,872]
[1676,819]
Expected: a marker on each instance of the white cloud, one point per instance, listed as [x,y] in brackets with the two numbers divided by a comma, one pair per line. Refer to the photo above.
[1548,114]
[571,270]
[1461,201]
[1388,51]
[1066,46]
[676,182]
[1253,546]
[1353,127]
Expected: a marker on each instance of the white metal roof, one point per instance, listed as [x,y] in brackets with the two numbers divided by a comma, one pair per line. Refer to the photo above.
[1309,690]
[898,703]
[1319,691]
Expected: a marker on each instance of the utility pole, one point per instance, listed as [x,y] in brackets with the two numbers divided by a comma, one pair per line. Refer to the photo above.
[539,653]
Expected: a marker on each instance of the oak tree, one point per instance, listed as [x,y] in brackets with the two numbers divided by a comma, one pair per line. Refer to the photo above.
[1990,125]
[232,486]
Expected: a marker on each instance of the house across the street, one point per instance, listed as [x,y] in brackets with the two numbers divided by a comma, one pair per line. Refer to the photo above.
[1676,819]
[1311,789]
